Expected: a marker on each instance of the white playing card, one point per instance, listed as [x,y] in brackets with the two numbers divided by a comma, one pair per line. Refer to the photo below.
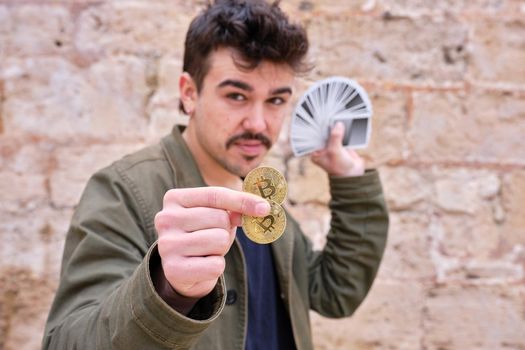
[326,102]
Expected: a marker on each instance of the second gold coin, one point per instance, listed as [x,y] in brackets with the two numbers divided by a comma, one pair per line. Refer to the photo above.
[267,229]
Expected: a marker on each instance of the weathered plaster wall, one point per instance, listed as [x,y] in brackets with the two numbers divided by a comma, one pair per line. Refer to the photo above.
[84,82]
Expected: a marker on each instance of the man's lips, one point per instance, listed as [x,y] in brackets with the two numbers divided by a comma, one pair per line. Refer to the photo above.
[250,144]
[250,147]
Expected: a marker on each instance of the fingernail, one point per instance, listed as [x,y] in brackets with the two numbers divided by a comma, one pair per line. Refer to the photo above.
[262,208]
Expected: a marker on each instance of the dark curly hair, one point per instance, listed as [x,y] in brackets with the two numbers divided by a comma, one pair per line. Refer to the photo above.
[255,29]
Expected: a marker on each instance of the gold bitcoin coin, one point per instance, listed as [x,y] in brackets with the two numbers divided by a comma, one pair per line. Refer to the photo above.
[266,182]
[264,230]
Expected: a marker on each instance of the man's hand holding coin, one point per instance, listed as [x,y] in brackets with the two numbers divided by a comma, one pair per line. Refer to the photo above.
[196,228]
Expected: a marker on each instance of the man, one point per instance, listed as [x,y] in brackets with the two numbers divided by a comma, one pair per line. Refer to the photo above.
[154,258]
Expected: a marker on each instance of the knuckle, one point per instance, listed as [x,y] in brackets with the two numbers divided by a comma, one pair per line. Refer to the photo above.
[332,151]
[161,222]
[223,219]
[167,220]
[217,265]
[165,244]
[223,241]
[174,246]
[170,197]
[244,204]
[212,198]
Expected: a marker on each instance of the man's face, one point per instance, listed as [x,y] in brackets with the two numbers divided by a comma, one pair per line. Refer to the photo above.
[238,113]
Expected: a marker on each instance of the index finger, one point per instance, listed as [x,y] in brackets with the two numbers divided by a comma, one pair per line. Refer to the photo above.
[220,198]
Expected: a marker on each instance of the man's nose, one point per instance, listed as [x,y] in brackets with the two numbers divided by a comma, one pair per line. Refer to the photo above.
[255,121]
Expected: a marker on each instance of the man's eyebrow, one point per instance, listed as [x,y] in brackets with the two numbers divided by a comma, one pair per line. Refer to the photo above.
[235,83]
[244,86]
[282,90]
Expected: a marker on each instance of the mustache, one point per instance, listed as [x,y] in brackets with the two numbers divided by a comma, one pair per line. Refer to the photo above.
[249,136]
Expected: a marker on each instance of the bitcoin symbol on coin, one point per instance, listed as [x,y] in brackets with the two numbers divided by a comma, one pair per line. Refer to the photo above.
[269,184]
[268,229]
[265,187]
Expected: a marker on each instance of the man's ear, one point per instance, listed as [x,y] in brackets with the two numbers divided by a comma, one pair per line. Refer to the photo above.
[188,93]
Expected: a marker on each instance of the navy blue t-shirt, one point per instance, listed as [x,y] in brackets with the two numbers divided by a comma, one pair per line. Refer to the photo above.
[269,325]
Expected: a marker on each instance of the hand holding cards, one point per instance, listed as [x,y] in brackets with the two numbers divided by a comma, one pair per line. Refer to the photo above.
[328,101]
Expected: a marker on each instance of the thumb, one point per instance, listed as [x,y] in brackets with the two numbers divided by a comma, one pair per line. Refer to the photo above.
[235,219]
[336,135]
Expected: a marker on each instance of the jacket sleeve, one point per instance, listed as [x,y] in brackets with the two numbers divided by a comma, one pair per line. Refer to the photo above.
[341,275]
[106,298]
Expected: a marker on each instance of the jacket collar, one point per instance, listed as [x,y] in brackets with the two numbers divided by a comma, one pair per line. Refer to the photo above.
[185,170]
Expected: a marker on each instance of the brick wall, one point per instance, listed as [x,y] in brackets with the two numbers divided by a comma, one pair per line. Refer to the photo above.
[84,82]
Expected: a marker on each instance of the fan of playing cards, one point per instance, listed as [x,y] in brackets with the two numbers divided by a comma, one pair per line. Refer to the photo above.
[329,101]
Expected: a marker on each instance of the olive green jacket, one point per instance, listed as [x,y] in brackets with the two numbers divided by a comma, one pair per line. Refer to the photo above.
[106,299]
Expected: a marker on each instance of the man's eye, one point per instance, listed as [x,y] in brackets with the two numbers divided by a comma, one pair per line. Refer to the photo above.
[236,97]
[277,101]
